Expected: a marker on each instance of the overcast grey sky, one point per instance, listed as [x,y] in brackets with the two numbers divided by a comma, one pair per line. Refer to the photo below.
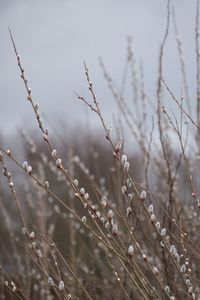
[54,37]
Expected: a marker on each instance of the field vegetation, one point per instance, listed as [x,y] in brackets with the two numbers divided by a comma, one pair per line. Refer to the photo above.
[111,214]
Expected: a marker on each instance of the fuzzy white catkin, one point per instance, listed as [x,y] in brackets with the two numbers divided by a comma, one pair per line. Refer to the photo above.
[172,249]
[155,270]
[54,153]
[163,232]
[76,182]
[82,191]
[34,244]
[158,226]
[102,220]
[50,281]
[129,183]
[167,289]
[76,159]
[131,250]
[45,137]
[126,166]
[153,218]
[98,214]
[128,211]
[150,209]
[130,196]
[29,169]
[162,244]
[124,189]
[11,184]
[84,219]
[114,229]
[143,195]
[61,285]
[46,184]
[190,290]
[110,214]
[193,296]
[8,152]
[32,235]
[58,162]
[86,196]
[124,159]
[188,282]
[103,201]
[39,253]
[177,256]
[23,230]
[107,225]
[93,207]
[57,209]
[25,165]
[183,269]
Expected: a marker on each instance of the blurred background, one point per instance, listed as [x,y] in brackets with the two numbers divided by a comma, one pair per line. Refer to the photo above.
[55,37]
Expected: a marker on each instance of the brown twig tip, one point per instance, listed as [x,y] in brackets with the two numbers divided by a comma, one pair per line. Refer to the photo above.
[13,43]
